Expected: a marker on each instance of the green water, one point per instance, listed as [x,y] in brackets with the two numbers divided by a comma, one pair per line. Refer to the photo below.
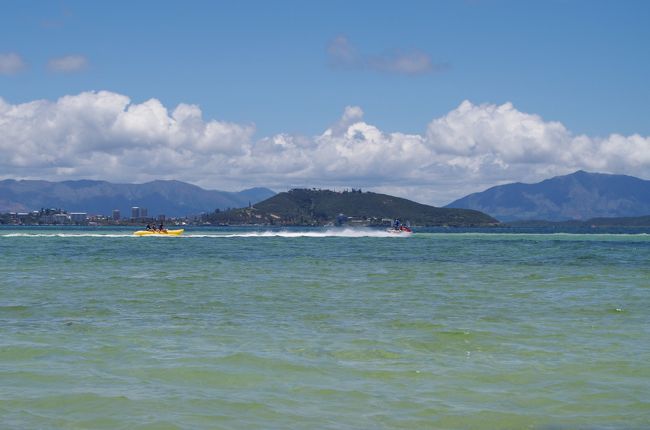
[241,329]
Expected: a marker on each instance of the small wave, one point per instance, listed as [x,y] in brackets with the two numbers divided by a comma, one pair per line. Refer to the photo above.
[67,235]
[294,234]
[556,236]
[334,232]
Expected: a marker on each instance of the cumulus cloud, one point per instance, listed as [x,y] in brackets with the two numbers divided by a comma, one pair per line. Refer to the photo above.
[351,115]
[104,135]
[342,54]
[11,63]
[67,64]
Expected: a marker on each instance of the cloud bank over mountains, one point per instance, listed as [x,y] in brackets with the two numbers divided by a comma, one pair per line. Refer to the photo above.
[104,135]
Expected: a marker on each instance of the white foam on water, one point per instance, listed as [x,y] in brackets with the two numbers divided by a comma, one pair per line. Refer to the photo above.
[350,233]
[333,232]
[543,236]
[67,235]
[347,232]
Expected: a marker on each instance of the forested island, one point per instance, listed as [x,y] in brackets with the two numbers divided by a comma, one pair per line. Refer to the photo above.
[316,207]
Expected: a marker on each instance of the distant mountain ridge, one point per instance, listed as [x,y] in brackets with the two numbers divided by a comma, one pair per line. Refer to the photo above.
[321,207]
[577,196]
[171,198]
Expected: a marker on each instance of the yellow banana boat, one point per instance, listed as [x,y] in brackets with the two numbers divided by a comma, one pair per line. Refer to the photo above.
[159,233]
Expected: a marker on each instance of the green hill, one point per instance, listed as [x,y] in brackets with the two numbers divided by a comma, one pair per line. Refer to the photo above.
[321,207]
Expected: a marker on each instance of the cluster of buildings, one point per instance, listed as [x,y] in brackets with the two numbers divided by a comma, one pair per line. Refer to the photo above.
[50,217]
[62,217]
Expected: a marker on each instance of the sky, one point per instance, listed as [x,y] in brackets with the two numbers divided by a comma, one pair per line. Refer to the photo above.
[428,100]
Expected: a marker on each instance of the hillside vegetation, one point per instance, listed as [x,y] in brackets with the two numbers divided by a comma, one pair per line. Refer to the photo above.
[321,207]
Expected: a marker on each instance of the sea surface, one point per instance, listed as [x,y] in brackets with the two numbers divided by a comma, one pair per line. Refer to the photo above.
[226,328]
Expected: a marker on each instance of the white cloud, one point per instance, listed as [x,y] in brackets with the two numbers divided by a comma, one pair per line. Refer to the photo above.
[342,54]
[104,135]
[11,63]
[68,64]
[407,63]
[351,115]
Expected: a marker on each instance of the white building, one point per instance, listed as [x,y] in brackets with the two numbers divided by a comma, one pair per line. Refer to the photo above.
[60,218]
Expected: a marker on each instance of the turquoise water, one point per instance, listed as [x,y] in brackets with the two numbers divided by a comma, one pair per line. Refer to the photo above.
[323,329]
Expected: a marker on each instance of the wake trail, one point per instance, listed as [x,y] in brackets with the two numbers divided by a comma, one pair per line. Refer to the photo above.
[345,233]
[349,233]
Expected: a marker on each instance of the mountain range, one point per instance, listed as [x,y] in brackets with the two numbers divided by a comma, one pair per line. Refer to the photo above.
[171,198]
[577,196]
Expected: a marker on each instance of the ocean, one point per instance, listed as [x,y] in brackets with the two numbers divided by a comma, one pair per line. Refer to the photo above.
[253,328]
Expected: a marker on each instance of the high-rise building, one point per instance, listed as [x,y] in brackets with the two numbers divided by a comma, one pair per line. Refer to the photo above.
[116,214]
[135,212]
[144,213]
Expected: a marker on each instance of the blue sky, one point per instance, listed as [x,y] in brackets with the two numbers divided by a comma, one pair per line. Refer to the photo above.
[292,68]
